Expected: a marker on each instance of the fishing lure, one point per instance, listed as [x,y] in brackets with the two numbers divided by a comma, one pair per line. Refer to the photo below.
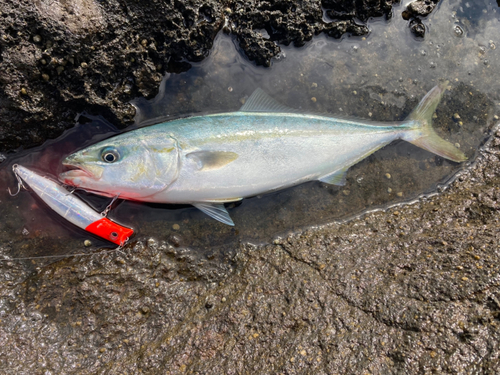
[71,207]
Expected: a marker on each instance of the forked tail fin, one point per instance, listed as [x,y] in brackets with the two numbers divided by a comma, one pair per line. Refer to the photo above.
[424,135]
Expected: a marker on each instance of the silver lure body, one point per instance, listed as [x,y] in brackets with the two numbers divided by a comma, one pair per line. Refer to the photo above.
[59,199]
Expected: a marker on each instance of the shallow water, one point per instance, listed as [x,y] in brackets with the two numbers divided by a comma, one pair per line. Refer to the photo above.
[381,77]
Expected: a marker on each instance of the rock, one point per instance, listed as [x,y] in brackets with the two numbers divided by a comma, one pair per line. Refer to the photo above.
[421,8]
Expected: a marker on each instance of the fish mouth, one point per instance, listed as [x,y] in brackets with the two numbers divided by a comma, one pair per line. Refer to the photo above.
[74,171]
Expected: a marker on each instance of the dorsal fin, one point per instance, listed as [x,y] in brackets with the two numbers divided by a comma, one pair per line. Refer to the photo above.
[259,101]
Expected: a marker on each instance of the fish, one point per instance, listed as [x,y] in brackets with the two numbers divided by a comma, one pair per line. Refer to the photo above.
[210,160]
[72,208]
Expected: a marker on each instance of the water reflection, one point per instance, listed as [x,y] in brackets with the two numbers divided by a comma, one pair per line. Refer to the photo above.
[381,77]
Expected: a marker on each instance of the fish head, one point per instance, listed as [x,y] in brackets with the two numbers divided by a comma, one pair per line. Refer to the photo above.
[133,165]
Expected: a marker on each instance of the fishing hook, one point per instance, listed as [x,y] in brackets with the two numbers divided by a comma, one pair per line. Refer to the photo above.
[19,182]
[108,208]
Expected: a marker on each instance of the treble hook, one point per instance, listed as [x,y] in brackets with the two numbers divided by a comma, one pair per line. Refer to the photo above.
[19,182]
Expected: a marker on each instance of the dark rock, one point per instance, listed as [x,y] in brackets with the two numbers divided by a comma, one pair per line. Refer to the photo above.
[414,11]
[417,27]
[421,8]
[339,9]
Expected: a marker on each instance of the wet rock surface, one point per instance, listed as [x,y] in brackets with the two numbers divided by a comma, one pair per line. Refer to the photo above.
[410,290]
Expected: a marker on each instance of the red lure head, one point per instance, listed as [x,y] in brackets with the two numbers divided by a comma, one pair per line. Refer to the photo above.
[110,231]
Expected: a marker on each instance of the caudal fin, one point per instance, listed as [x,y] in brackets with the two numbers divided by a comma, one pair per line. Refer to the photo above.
[424,135]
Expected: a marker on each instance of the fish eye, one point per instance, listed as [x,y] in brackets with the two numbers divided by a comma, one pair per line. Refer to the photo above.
[110,155]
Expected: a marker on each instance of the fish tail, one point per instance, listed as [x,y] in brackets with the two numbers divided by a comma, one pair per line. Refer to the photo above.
[424,136]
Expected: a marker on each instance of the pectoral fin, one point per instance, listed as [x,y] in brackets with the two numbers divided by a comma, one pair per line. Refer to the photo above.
[335,178]
[210,160]
[216,211]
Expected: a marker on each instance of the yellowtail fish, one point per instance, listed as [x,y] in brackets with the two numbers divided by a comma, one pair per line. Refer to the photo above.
[207,161]
[72,208]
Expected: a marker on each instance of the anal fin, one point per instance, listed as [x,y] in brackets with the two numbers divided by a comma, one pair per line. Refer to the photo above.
[335,178]
[216,211]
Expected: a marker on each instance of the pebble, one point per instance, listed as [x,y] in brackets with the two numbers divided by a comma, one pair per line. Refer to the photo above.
[313,99]
[388,175]
[23,91]
[43,61]
[314,85]
[399,194]
[176,227]
[87,243]
[37,38]
[389,190]
[83,65]
[458,31]
[346,192]
[456,116]
[45,77]
[230,89]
